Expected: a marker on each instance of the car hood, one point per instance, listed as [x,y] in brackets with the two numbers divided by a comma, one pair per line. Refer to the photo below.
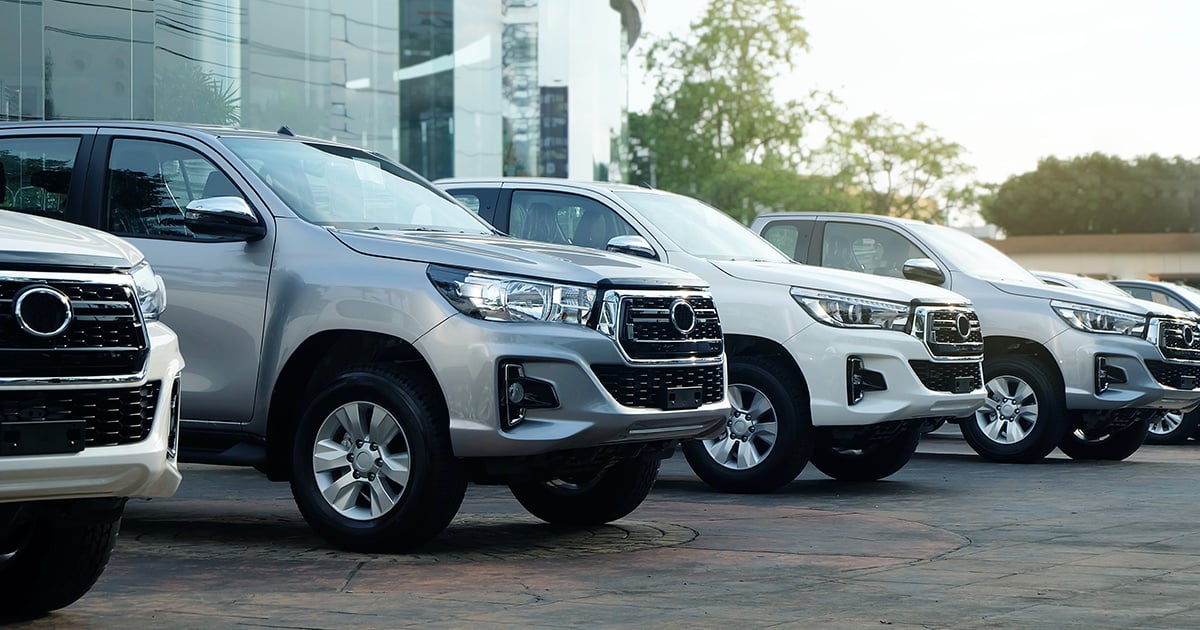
[530,259]
[1089,298]
[31,241]
[836,280]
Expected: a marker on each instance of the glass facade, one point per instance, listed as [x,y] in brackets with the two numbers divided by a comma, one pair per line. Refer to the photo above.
[448,87]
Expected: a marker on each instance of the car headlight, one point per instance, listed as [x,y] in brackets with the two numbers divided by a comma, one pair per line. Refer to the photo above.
[849,311]
[1100,320]
[507,299]
[149,290]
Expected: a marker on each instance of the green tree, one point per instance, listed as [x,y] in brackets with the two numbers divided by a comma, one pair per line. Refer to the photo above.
[1099,193]
[715,129]
[892,169]
[183,92]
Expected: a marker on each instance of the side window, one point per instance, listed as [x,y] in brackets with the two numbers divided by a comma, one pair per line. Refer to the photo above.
[562,218]
[36,173]
[481,201]
[790,237]
[149,184]
[1139,293]
[1164,298]
[867,248]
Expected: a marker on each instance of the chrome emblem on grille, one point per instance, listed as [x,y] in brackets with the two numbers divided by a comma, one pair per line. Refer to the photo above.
[43,311]
[962,326]
[683,316]
[1189,336]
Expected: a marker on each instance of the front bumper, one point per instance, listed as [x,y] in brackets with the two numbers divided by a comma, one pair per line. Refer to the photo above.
[145,469]
[465,355]
[822,353]
[1077,351]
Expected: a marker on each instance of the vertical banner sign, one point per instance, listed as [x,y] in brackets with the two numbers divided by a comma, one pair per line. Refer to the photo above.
[553,162]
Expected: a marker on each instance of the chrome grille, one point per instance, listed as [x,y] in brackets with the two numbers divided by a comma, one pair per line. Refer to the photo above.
[647,332]
[943,335]
[112,416]
[1173,339]
[644,387]
[105,336]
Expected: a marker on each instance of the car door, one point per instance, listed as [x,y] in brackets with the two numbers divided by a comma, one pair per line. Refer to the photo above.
[140,183]
[866,248]
[42,172]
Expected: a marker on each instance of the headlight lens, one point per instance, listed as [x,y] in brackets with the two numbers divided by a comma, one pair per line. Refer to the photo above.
[150,292]
[848,311]
[1100,320]
[505,299]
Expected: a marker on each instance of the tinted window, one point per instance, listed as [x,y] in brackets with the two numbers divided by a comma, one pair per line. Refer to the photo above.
[868,248]
[151,183]
[791,237]
[562,218]
[481,201]
[37,173]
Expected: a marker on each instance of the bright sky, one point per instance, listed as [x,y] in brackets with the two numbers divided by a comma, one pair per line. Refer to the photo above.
[1012,81]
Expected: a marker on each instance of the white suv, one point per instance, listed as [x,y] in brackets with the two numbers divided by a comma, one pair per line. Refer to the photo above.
[826,366]
[89,405]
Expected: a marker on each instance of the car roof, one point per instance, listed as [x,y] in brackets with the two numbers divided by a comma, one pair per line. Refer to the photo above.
[879,218]
[191,129]
[574,183]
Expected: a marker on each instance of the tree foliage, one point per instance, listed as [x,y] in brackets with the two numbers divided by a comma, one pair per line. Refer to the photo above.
[717,131]
[1099,194]
[891,169]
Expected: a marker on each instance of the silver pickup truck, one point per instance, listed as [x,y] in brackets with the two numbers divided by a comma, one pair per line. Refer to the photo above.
[355,331]
[1078,370]
[89,404]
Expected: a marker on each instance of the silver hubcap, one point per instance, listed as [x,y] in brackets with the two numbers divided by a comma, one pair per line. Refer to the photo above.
[1166,423]
[1010,411]
[361,460]
[750,433]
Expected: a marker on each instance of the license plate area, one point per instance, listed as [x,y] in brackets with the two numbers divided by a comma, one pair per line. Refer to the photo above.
[964,384]
[42,437]
[683,397]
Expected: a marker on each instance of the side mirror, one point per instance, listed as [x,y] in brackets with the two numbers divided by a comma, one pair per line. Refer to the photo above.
[923,270]
[230,217]
[631,244]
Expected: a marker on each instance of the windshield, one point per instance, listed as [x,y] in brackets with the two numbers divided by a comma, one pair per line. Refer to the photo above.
[1099,286]
[700,229]
[350,189]
[971,255]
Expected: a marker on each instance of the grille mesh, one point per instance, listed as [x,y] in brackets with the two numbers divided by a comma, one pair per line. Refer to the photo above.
[646,330]
[645,387]
[113,416]
[942,377]
[1172,374]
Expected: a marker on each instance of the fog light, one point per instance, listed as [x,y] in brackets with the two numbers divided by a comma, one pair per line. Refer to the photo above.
[860,380]
[173,432]
[1107,374]
[519,393]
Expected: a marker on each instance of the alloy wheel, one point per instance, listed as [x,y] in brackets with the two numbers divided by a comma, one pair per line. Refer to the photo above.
[750,433]
[1166,423]
[361,460]
[1010,411]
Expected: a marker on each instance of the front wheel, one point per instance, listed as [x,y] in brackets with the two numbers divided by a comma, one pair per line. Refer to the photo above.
[768,437]
[870,462]
[1173,427]
[372,465]
[1024,416]
[55,554]
[590,499]
[1102,444]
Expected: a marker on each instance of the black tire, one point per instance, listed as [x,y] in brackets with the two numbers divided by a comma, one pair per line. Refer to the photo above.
[929,425]
[871,463]
[418,505]
[590,499]
[1099,444]
[1176,429]
[56,557]
[793,439]
[1037,435]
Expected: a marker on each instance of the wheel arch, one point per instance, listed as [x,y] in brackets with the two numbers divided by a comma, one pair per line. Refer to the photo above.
[1000,346]
[314,363]
[758,347]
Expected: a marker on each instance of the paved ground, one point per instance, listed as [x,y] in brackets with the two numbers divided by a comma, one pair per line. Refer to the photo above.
[949,542]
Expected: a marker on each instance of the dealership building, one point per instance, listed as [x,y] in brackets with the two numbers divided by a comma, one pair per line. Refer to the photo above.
[448,87]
